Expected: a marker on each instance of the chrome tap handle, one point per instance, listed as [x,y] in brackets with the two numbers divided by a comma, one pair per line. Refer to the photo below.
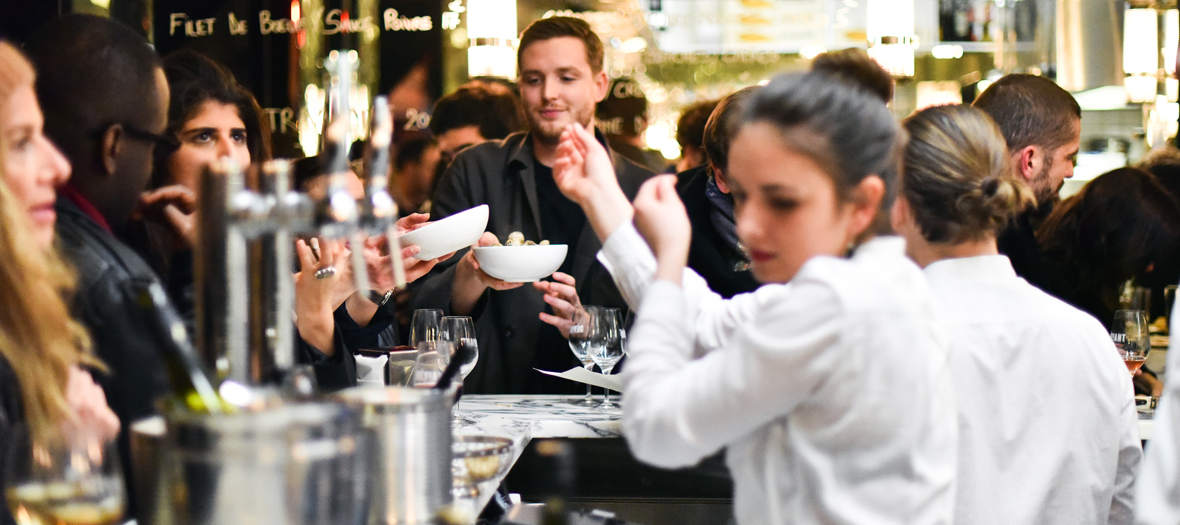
[380,209]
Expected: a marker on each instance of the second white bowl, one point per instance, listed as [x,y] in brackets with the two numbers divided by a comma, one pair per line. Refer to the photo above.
[521,264]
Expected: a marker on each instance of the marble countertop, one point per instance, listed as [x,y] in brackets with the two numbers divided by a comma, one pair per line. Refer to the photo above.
[524,417]
[545,416]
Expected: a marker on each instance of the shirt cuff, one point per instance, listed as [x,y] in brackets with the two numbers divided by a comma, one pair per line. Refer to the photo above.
[629,260]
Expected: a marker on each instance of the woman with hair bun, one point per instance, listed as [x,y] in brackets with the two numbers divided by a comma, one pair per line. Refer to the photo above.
[828,385]
[1047,425]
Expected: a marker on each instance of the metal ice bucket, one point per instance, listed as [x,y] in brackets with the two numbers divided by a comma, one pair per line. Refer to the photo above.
[290,464]
[410,474]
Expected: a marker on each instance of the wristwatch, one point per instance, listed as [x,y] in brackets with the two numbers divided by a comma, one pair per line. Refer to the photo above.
[380,298]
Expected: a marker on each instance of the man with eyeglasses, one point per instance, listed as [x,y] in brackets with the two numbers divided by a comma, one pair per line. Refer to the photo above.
[105,101]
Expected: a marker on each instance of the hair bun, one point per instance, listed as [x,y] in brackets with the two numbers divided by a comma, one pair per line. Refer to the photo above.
[989,186]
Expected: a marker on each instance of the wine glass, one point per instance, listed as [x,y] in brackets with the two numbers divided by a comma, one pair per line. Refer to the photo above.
[1131,338]
[425,326]
[582,322]
[456,330]
[606,347]
[64,480]
[433,357]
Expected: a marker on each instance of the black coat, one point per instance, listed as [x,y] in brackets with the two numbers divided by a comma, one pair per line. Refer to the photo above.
[110,277]
[500,174]
[709,255]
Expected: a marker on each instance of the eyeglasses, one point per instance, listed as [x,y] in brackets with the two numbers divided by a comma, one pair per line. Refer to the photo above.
[139,133]
[157,139]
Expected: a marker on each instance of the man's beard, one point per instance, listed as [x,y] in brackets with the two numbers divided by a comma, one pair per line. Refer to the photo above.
[552,136]
[1042,186]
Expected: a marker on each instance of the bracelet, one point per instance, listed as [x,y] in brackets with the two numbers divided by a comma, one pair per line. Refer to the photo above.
[380,298]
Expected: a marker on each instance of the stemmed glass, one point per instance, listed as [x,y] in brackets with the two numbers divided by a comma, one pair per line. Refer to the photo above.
[606,347]
[1131,338]
[433,357]
[425,326]
[456,330]
[582,323]
[72,480]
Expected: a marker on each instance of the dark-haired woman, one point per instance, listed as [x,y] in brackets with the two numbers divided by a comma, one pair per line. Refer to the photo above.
[1034,447]
[1115,229]
[209,116]
[828,385]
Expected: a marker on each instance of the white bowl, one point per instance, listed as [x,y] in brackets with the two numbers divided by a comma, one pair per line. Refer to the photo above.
[452,233]
[520,264]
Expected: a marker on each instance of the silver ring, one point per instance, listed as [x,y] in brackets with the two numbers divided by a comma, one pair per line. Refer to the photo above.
[326,272]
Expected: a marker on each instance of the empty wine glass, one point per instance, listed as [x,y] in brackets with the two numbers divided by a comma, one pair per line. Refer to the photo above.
[425,326]
[433,357]
[71,480]
[456,330]
[582,322]
[1131,338]
[606,346]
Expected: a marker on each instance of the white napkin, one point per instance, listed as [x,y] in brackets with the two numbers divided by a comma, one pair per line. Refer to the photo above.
[370,371]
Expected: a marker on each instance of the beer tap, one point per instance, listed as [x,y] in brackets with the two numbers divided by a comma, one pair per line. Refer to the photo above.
[338,215]
[379,212]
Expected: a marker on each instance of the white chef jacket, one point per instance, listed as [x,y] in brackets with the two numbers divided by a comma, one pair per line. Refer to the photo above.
[831,394]
[1157,491]
[1048,432]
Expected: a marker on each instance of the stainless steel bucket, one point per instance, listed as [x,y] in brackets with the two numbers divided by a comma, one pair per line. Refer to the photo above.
[291,464]
[410,475]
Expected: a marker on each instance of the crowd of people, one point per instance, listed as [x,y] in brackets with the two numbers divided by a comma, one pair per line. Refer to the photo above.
[880,321]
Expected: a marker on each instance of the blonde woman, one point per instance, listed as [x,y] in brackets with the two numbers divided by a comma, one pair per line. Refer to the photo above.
[1048,432]
[42,384]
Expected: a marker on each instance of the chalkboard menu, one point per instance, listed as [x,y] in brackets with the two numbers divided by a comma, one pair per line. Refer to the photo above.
[274,47]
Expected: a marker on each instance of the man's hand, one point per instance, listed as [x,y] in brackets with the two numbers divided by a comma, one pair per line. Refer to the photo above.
[584,173]
[172,206]
[89,404]
[470,281]
[562,296]
[661,219]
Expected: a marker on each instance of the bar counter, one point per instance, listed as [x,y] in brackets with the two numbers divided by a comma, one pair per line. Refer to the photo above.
[607,477]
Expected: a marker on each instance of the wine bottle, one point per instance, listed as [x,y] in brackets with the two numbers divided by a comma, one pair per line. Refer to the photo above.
[190,384]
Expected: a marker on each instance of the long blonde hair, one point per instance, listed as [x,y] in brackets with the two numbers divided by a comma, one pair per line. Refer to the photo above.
[38,337]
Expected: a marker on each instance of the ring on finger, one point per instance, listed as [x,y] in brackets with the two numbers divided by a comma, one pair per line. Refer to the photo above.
[325,272]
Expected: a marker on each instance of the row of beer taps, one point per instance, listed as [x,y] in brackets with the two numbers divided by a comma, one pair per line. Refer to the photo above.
[244,254]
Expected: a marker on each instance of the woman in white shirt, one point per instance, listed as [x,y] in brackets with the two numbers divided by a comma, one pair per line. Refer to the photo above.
[827,385]
[1048,432]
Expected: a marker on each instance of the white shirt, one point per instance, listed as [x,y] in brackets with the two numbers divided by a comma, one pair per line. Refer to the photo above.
[1157,491]
[1048,432]
[830,394]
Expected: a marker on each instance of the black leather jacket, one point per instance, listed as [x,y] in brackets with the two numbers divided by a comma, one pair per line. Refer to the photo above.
[109,276]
